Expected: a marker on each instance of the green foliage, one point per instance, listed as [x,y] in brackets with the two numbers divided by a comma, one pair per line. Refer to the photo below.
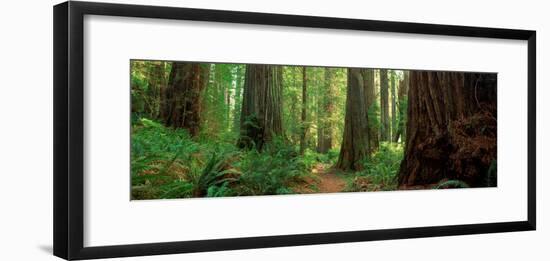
[332,155]
[139,87]
[219,191]
[374,114]
[214,175]
[167,163]
[272,171]
[152,144]
[158,157]
[380,171]
[176,189]
[451,184]
[146,81]
[385,162]
[310,158]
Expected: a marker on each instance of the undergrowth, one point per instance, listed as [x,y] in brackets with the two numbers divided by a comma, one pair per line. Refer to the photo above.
[168,163]
[380,170]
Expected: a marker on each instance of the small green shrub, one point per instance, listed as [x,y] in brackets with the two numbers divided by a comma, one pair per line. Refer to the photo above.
[272,171]
[310,158]
[219,191]
[380,171]
[176,189]
[154,148]
[215,174]
[333,155]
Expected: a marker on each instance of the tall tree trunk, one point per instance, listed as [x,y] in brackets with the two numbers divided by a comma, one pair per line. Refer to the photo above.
[182,97]
[261,116]
[166,68]
[295,131]
[451,129]
[355,141]
[208,97]
[305,127]
[217,124]
[393,104]
[155,79]
[370,93]
[402,108]
[384,106]
[238,98]
[327,110]
[227,107]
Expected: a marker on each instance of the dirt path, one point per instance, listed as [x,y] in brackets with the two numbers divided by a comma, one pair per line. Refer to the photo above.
[328,180]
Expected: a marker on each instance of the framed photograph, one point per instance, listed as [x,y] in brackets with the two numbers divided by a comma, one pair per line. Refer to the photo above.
[183,130]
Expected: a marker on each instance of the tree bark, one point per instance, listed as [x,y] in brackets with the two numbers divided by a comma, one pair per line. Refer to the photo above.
[384,106]
[182,102]
[295,115]
[155,81]
[402,108]
[451,129]
[370,93]
[305,127]
[327,110]
[393,119]
[227,100]
[238,98]
[261,116]
[355,141]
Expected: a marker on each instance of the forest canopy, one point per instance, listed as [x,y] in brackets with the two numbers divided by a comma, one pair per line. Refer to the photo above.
[218,130]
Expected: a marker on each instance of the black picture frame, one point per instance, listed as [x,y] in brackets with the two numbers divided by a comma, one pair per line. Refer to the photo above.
[69,129]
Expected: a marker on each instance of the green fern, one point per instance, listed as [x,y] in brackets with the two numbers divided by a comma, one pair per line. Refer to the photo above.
[451,184]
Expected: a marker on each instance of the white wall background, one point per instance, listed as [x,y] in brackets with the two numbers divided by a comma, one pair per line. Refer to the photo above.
[26,129]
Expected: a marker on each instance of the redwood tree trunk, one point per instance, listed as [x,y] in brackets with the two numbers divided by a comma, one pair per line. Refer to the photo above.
[451,129]
[372,132]
[402,108]
[327,111]
[355,141]
[384,106]
[156,80]
[393,119]
[261,116]
[304,128]
[238,99]
[181,106]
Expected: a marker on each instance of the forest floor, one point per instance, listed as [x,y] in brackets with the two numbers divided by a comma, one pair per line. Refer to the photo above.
[329,181]
[325,179]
